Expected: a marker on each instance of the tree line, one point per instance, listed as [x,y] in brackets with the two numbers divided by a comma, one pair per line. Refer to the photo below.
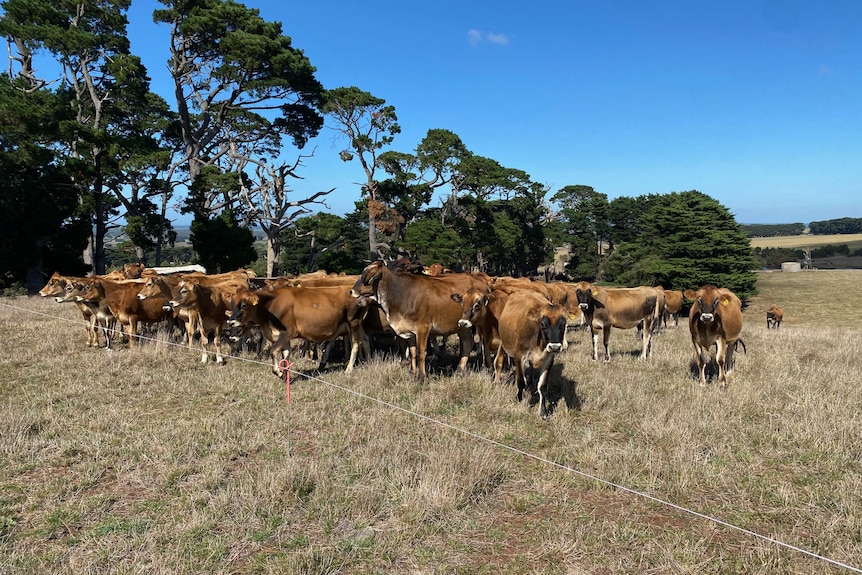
[825,227]
[837,226]
[94,148]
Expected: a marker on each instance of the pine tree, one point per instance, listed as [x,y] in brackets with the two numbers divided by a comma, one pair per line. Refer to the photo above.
[687,240]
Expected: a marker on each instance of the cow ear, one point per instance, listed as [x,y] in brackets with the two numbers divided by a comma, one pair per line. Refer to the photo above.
[725,300]
[254,299]
[456,297]
[690,294]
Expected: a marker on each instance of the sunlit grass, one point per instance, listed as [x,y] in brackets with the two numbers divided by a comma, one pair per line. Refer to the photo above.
[807,241]
[147,461]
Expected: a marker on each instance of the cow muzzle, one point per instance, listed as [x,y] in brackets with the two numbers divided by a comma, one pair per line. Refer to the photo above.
[707,317]
[554,348]
[465,323]
[583,305]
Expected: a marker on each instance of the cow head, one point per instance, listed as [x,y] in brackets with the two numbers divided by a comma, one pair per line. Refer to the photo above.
[473,304]
[133,271]
[240,302]
[708,302]
[153,287]
[366,284]
[585,294]
[70,292]
[553,328]
[54,287]
[186,294]
[90,291]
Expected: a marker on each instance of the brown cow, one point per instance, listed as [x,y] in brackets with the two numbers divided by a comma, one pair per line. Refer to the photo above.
[209,304]
[57,288]
[622,308]
[774,315]
[418,306]
[556,292]
[316,314]
[481,309]
[715,318]
[167,286]
[120,300]
[133,271]
[672,306]
[531,333]
[164,287]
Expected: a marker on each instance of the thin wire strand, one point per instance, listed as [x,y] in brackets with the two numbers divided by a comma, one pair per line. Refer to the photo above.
[503,446]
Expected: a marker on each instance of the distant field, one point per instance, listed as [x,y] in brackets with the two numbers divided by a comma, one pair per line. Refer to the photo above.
[806,240]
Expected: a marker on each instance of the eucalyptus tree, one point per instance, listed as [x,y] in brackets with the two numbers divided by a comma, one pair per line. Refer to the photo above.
[324,242]
[480,211]
[584,215]
[417,176]
[267,199]
[369,126]
[97,74]
[240,88]
[40,212]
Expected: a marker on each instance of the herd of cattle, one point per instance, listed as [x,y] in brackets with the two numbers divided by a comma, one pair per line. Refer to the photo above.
[514,320]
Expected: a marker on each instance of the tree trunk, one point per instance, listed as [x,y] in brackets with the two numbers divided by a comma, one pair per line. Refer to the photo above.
[273,251]
[373,246]
[88,255]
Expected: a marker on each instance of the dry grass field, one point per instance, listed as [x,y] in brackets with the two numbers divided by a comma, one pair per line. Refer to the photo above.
[807,241]
[147,462]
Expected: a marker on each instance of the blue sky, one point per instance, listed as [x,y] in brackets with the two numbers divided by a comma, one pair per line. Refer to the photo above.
[757,103]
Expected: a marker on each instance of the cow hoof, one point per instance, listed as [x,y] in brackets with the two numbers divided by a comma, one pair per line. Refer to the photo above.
[204,358]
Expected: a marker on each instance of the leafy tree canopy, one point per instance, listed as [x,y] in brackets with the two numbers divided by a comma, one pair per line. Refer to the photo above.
[687,240]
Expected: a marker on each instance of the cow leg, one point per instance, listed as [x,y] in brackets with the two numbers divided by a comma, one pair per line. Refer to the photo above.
[205,341]
[133,327]
[465,336]
[520,380]
[217,343]
[594,334]
[354,352]
[190,329]
[106,331]
[419,356]
[648,326]
[606,337]
[542,389]
[724,358]
[358,338]
[93,331]
[498,364]
[701,363]
[324,357]
[280,350]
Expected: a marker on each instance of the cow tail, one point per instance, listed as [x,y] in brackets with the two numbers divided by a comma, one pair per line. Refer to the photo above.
[744,349]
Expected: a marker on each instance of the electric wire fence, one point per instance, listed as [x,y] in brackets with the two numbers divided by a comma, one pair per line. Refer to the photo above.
[489,441]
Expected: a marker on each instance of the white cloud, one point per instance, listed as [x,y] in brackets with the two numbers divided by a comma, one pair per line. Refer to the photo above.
[476,37]
[497,38]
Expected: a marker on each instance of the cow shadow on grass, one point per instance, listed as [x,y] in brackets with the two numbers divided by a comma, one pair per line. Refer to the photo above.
[710,370]
[559,388]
